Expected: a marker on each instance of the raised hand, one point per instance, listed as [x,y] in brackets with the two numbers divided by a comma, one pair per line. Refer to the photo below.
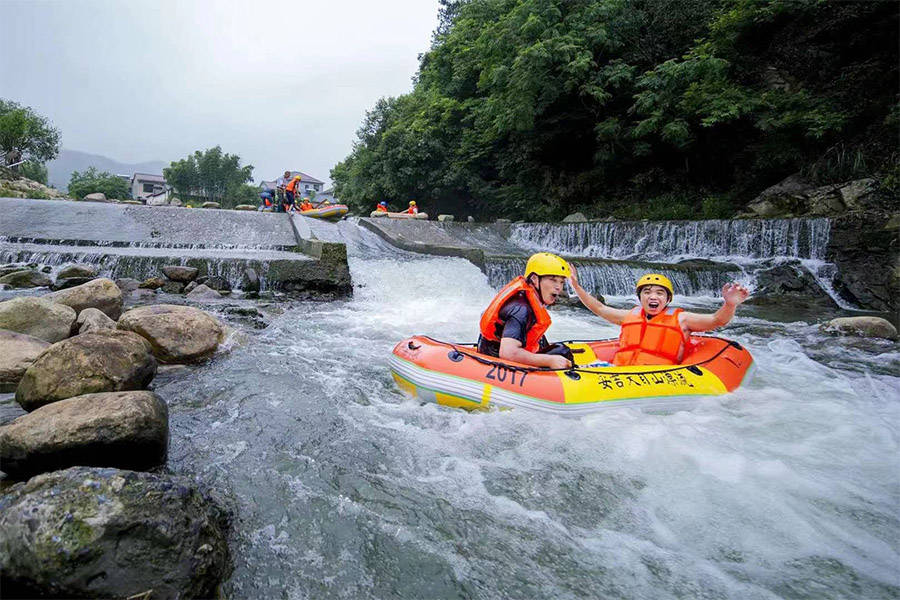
[573,278]
[734,293]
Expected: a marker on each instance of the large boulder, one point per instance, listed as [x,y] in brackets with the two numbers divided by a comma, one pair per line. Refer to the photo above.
[153,283]
[79,270]
[180,273]
[37,317]
[445,218]
[210,205]
[97,197]
[202,292]
[128,430]
[245,207]
[98,361]
[220,284]
[102,294]
[17,352]
[92,319]
[68,282]
[90,532]
[26,278]
[862,326]
[172,287]
[177,334]
[575,218]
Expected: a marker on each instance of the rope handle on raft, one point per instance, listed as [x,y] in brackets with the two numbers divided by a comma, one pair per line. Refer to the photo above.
[693,368]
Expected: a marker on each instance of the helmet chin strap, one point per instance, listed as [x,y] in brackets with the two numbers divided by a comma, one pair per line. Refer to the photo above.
[538,289]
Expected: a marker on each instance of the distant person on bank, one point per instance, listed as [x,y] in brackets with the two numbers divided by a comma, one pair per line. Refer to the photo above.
[280,184]
[653,333]
[12,158]
[413,209]
[266,198]
[513,325]
[290,191]
[381,207]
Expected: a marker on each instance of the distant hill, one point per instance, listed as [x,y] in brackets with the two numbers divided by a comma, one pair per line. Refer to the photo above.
[59,170]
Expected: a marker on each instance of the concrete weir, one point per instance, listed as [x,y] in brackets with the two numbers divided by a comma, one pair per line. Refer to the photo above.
[136,241]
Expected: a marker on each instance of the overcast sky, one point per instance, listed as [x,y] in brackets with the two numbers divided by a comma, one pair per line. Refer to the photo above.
[283,84]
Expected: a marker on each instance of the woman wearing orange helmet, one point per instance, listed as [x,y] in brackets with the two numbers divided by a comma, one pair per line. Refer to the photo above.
[653,333]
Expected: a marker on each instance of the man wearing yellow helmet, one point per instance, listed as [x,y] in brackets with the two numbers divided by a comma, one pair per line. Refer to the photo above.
[513,325]
[413,209]
[653,333]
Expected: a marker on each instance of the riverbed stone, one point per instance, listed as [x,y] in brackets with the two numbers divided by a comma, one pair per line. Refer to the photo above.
[445,218]
[69,282]
[92,319]
[37,317]
[210,205]
[172,287]
[575,218]
[97,197]
[152,283]
[862,326]
[202,292]
[26,278]
[180,273]
[102,294]
[127,284]
[245,207]
[177,334]
[17,352]
[126,430]
[92,532]
[77,270]
[220,284]
[97,361]
[250,281]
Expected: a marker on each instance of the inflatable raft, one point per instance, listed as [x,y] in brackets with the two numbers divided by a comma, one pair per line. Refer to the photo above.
[401,215]
[331,211]
[456,375]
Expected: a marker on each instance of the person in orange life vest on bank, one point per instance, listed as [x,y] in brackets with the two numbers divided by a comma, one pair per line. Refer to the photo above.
[306,205]
[513,325]
[289,192]
[413,209]
[652,333]
[381,206]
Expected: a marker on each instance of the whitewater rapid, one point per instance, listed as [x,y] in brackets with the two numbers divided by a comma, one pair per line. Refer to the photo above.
[345,488]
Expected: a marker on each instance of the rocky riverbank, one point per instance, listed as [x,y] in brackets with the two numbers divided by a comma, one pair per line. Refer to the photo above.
[96,514]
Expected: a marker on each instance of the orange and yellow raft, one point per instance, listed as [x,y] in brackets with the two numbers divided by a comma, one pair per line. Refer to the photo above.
[456,375]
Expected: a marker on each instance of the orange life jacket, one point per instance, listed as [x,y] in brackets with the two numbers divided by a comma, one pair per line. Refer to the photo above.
[491,322]
[381,208]
[306,206]
[412,210]
[658,341]
[292,185]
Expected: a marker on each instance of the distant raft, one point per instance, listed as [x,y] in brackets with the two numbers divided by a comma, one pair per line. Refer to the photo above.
[456,375]
[399,215]
[329,211]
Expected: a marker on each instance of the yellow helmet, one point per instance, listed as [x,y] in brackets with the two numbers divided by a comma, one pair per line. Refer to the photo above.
[656,279]
[296,177]
[544,263]
[412,202]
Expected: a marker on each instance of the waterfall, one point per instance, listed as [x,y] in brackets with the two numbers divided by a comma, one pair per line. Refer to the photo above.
[671,241]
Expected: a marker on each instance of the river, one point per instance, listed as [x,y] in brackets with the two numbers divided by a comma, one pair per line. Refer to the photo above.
[344,488]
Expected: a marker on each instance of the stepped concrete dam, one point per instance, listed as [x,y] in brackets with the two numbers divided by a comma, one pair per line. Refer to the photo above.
[828,260]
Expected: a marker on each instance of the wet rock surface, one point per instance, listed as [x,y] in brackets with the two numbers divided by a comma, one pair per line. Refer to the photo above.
[17,352]
[92,319]
[25,278]
[98,361]
[202,292]
[866,251]
[180,273]
[37,317]
[127,430]
[77,271]
[875,327]
[104,533]
[177,334]
[102,294]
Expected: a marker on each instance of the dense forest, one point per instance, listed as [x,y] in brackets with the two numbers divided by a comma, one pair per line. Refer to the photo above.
[533,109]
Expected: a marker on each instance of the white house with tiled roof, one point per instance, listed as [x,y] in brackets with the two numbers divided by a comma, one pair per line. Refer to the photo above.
[144,185]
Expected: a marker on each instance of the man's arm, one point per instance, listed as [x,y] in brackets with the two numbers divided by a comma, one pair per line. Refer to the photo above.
[613,315]
[511,349]
[733,293]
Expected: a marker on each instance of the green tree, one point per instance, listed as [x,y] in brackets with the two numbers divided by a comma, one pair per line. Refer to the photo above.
[535,108]
[210,175]
[94,181]
[34,170]
[24,130]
